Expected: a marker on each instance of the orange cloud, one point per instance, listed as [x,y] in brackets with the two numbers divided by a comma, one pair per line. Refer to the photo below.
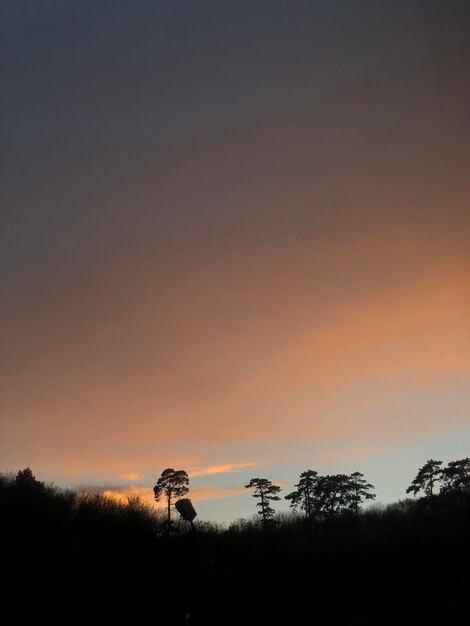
[198,494]
[220,469]
[132,476]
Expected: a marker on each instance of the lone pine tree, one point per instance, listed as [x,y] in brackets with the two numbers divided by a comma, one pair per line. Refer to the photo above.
[171,485]
[266,492]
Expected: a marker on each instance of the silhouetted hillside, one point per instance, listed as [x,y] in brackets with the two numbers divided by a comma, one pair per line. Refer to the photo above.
[76,558]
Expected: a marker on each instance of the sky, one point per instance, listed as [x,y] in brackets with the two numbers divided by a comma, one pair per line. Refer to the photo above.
[235,241]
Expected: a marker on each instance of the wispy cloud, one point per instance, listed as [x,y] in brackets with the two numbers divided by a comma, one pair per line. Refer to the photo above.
[131,476]
[225,468]
[122,493]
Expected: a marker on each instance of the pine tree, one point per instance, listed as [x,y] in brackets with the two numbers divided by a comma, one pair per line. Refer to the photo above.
[359,490]
[426,477]
[266,492]
[456,476]
[171,485]
[331,495]
[304,496]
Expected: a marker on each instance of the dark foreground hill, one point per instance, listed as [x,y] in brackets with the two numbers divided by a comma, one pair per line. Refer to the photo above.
[72,558]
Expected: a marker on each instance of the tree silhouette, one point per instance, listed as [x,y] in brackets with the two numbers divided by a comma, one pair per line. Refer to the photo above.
[331,495]
[266,492]
[171,485]
[456,476]
[304,496]
[427,475]
[359,491]
[26,480]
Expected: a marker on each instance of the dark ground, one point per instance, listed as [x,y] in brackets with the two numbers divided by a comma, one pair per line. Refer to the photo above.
[62,564]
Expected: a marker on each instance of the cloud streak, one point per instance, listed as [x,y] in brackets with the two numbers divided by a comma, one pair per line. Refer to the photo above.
[131,476]
[203,493]
[226,468]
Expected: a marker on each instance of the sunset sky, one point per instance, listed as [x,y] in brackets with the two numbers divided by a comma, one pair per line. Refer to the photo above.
[235,241]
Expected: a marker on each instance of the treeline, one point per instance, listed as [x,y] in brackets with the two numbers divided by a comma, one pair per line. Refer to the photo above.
[328,497]
[453,478]
[319,497]
[324,498]
[70,557]
[30,507]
